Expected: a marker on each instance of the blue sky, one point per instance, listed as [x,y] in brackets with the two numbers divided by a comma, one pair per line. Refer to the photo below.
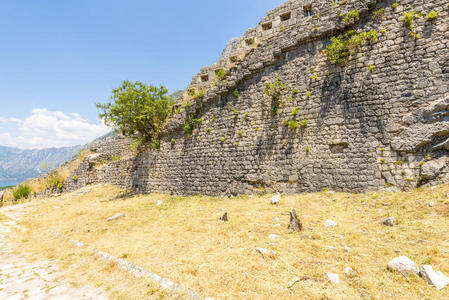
[57,58]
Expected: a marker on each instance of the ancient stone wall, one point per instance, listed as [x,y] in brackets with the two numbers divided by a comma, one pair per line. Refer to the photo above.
[377,121]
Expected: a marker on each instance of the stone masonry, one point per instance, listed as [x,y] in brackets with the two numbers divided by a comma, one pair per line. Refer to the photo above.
[378,121]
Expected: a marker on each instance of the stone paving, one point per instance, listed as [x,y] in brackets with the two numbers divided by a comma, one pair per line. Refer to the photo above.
[20,279]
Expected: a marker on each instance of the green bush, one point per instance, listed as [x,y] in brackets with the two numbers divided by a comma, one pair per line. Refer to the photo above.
[137,110]
[236,93]
[115,158]
[22,191]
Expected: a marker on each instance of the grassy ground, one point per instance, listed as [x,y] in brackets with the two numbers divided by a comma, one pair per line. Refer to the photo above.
[183,240]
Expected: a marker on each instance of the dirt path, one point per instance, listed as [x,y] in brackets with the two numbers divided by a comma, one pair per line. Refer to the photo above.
[20,279]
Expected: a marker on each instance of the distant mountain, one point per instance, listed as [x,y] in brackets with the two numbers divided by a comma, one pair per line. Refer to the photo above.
[173,96]
[17,165]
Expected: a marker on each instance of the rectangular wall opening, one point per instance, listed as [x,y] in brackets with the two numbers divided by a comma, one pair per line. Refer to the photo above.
[308,10]
[233,58]
[205,78]
[286,16]
[249,42]
[267,26]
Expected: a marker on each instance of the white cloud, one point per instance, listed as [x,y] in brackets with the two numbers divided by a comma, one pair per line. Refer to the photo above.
[44,129]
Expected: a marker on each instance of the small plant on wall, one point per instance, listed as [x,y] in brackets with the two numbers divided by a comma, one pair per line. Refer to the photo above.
[190,124]
[352,17]
[274,90]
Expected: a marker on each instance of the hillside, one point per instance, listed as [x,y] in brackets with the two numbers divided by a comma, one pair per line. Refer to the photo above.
[17,165]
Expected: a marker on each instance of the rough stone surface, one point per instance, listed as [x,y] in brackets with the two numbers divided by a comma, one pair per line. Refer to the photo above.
[391,221]
[224,217]
[276,199]
[403,265]
[437,279]
[332,277]
[295,223]
[367,129]
[330,223]
[273,236]
[349,271]
[115,217]
[265,252]
[37,280]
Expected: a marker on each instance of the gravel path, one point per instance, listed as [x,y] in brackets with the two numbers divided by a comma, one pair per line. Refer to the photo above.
[20,279]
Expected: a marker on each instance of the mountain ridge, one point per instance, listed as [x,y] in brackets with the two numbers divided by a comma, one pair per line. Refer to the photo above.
[17,165]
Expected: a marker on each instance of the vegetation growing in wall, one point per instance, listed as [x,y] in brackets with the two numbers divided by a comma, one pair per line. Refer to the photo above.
[432,15]
[409,21]
[236,93]
[220,74]
[352,17]
[54,181]
[137,110]
[274,90]
[190,124]
[345,45]
[395,5]
[295,111]
[292,124]
[199,95]
[236,112]
[378,14]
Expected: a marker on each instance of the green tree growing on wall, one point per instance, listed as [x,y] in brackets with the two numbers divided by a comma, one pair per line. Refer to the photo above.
[137,109]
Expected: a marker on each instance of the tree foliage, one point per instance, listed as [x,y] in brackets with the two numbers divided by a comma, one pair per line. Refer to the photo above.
[137,110]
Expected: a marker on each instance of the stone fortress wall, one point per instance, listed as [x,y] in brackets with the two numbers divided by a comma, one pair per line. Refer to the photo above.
[377,121]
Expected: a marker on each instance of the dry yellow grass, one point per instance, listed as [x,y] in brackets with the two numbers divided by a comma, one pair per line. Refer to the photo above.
[183,240]
[40,184]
